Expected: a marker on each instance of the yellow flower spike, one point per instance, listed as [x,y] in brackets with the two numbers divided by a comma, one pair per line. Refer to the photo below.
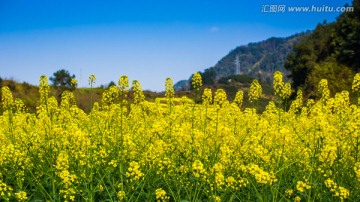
[21,196]
[121,195]
[196,81]
[139,96]
[324,90]
[220,98]
[297,199]
[7,98]
[44,89]
[110,95]
[169,91]
[123,83]
[255,91]
[356,83]
[207,97]
[289,193]
[74,83]
[239,98]
[278,83]
[286,91]
[92,80]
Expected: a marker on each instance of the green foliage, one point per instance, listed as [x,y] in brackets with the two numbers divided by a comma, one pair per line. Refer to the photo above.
[337,75]
[346,38]
[62,78]
[112,83]
[330,52]
[208,76]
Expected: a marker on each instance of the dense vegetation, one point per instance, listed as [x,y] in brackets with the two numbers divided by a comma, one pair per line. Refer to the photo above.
[30,96]
[30,93]
[331,51]
[173,149]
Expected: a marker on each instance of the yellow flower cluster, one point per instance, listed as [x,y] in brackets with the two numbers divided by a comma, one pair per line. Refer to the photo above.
[207,97]
[198,169]
[281,89]
[123,83]
[324,90]
[217,198]
[356,83]
[44,89]
[5,191]
[297,199]
[68,194]
[302,186]
[220,98]
[261,176]
[255,91]
[126,149]
[21,196]
[169,88]
[297,103]
[7,98]
[328,154]
[338,191]
[289,193]
[138,93]
[134,172]
[121,195]
[110,95]
[161,195]
[92,79]
[278,83]
[239,98]
[196,81]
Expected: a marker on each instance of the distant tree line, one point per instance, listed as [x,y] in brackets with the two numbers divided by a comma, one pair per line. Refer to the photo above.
[331,51]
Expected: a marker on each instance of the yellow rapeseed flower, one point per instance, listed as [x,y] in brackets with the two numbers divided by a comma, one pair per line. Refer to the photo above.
[255,91]
[196,81]
[356,83]
[161,195]
[239,98]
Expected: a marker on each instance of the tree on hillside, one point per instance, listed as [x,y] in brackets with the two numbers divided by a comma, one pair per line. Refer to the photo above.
[208,77]
[112,83]
[62,78]
[330,52]
[346,40]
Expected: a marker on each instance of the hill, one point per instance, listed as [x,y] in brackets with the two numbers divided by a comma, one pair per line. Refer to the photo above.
[259,60]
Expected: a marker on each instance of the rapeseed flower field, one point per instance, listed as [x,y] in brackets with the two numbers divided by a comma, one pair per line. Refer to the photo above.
[152,151]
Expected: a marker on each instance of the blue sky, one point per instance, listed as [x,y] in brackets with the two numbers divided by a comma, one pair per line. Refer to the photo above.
[145,40]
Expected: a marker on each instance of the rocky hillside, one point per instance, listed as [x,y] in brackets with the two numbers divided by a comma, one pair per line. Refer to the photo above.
[259,60]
